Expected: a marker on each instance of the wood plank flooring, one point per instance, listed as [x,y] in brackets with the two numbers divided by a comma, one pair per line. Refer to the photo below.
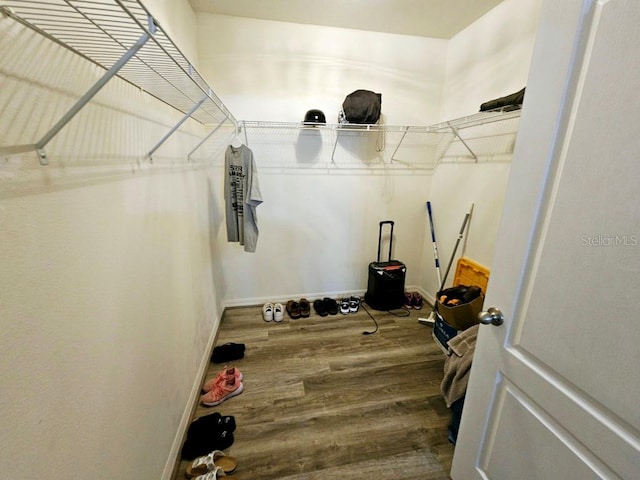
[321,400]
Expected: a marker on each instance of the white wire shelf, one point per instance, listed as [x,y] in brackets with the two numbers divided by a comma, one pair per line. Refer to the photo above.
[122,37]
[461,123]
[481,135]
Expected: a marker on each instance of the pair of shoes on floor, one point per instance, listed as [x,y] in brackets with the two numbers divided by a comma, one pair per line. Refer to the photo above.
[413,300]
[208,433]
[210,467]
[273,312]
[228,352]
[349,304]
[206,424]
[297,309]
[226,384]
[227,373]
[325,306]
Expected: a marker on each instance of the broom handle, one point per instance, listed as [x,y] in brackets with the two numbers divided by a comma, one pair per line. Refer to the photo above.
[455,249]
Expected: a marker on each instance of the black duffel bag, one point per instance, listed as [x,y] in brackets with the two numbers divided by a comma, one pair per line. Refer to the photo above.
[362,106]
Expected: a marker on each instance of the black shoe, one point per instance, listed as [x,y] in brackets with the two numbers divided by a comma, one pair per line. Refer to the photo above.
[320,307]
[331,305]
[228,352]
[199,446]
[207,424]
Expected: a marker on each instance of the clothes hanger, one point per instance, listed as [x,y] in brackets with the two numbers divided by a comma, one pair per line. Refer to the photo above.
[236,141]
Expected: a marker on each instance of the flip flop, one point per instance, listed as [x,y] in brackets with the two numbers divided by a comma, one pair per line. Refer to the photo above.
[212,475]
[213,462]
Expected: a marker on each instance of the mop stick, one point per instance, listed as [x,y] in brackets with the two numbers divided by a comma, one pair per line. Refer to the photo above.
[434,312]
[431,318]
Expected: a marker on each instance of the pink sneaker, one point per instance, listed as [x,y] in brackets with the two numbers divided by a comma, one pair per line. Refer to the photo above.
[222,391]
[221,377]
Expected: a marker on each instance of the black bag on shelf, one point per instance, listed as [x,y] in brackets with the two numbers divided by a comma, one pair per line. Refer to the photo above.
[385,288]
[510,102]
[362,106]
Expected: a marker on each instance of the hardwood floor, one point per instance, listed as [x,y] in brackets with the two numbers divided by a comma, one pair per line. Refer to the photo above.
[321,400]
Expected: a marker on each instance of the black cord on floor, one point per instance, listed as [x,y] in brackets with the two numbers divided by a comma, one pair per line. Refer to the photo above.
[372,318]
[400,312]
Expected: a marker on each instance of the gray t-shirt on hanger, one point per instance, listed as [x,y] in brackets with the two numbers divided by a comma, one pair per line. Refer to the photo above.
[242,196]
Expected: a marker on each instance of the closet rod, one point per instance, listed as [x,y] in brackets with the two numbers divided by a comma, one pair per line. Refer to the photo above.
[177,125]
[42,156]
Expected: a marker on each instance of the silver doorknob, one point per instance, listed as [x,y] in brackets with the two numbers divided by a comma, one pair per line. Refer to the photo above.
[493,316]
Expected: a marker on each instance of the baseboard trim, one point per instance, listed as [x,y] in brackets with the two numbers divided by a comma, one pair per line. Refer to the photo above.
[252,301]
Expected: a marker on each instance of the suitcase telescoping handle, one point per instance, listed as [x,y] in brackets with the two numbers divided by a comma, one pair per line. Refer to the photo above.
[389,222]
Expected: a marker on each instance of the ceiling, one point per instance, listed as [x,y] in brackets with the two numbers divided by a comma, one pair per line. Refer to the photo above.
[427,18]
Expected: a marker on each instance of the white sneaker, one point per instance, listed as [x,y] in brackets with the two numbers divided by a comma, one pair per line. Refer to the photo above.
[354,304]
[344,305]
[278,312]
[267,312]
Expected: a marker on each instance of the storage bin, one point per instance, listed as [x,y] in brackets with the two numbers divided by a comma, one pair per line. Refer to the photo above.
[471,273]
[462,316]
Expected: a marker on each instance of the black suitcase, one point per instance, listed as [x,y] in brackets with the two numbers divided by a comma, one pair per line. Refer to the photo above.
[385,289]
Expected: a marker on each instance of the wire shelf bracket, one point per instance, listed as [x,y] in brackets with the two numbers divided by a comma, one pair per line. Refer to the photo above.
[86,98]
[202,142]
[393,155]
[454,130]
[186,116]
[361,128]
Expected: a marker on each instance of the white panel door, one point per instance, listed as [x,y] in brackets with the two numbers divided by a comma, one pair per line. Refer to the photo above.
[554,392]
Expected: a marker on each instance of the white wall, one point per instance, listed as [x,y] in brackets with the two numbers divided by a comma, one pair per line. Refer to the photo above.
[110,280]
[178,20]
[267,70]
[319,221]
[487,60]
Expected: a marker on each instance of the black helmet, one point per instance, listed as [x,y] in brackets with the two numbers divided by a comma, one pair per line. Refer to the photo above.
[313,117]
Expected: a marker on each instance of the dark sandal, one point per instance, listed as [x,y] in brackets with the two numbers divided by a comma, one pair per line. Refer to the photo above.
[305,308]
[293,309]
